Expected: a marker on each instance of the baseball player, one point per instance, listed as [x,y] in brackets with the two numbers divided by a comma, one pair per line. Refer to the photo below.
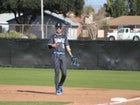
[59,43]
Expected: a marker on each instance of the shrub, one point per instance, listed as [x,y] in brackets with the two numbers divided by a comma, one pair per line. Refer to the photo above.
[2,35]
[32,36]
[14,34]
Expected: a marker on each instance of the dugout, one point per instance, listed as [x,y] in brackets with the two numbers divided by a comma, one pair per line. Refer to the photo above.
[99,55]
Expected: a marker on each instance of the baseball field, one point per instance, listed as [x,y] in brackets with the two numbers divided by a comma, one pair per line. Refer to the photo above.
[35,86]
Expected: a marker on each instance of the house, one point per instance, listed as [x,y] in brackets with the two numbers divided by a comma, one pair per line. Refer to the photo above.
[4,26]
[132,22]
[70,27]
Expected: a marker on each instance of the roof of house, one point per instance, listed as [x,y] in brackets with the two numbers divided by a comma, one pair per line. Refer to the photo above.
[5,17]
[68,20]
[125,20]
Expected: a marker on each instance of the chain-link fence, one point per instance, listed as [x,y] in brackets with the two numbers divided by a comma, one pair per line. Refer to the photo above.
[90,31]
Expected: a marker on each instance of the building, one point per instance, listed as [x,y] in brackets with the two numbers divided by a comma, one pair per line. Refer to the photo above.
[50,18]
[4,25]
[132,22]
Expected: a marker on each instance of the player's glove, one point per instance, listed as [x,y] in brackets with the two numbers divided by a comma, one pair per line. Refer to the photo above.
[74,61]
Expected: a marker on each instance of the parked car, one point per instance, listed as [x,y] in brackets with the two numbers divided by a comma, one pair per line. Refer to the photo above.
[124,34]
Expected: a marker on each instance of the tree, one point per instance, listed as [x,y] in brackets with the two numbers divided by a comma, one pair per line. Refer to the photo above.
[88,10]
[138,7]
[79,4]
[108,7]
[117,8]
[64,6]
[134,7]
[28,10]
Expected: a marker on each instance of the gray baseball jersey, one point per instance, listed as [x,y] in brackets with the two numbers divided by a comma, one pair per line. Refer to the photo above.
[61,40]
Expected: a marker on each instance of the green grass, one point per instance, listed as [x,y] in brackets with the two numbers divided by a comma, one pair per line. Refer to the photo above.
[34,103]
[75,78]
[26,76]
[105,79]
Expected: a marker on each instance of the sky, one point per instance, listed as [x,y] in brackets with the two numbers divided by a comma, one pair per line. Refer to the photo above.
[95,3]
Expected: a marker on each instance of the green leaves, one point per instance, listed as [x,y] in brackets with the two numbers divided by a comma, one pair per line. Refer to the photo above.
[31,8]
[116,8]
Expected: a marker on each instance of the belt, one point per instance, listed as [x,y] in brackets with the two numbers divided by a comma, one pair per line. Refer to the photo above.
[59,53]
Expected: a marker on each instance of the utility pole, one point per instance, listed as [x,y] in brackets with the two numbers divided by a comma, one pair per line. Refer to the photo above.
[42,20]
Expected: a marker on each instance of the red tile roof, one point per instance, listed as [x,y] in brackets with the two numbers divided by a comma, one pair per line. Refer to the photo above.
[125,20]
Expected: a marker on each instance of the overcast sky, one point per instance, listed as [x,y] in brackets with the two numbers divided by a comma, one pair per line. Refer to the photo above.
[95,3]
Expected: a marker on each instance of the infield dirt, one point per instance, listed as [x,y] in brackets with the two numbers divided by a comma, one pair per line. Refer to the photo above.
[77,96]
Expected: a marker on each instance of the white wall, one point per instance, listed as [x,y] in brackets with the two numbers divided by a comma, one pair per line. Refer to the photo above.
[72,33]
[5,26]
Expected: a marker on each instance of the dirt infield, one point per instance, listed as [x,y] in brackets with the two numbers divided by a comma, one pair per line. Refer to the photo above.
[77,96]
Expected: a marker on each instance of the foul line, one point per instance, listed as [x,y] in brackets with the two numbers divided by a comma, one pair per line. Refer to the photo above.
[122,101]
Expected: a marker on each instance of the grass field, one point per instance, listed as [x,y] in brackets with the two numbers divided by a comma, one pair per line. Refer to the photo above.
[76,78]
[33,103]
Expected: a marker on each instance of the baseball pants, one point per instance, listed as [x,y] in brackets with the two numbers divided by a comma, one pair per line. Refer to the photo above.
[59,64]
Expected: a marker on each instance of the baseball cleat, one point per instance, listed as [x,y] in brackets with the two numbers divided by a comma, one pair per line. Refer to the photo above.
[59,91]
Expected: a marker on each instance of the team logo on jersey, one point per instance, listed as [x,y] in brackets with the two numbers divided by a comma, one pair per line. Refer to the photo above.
[59,40]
